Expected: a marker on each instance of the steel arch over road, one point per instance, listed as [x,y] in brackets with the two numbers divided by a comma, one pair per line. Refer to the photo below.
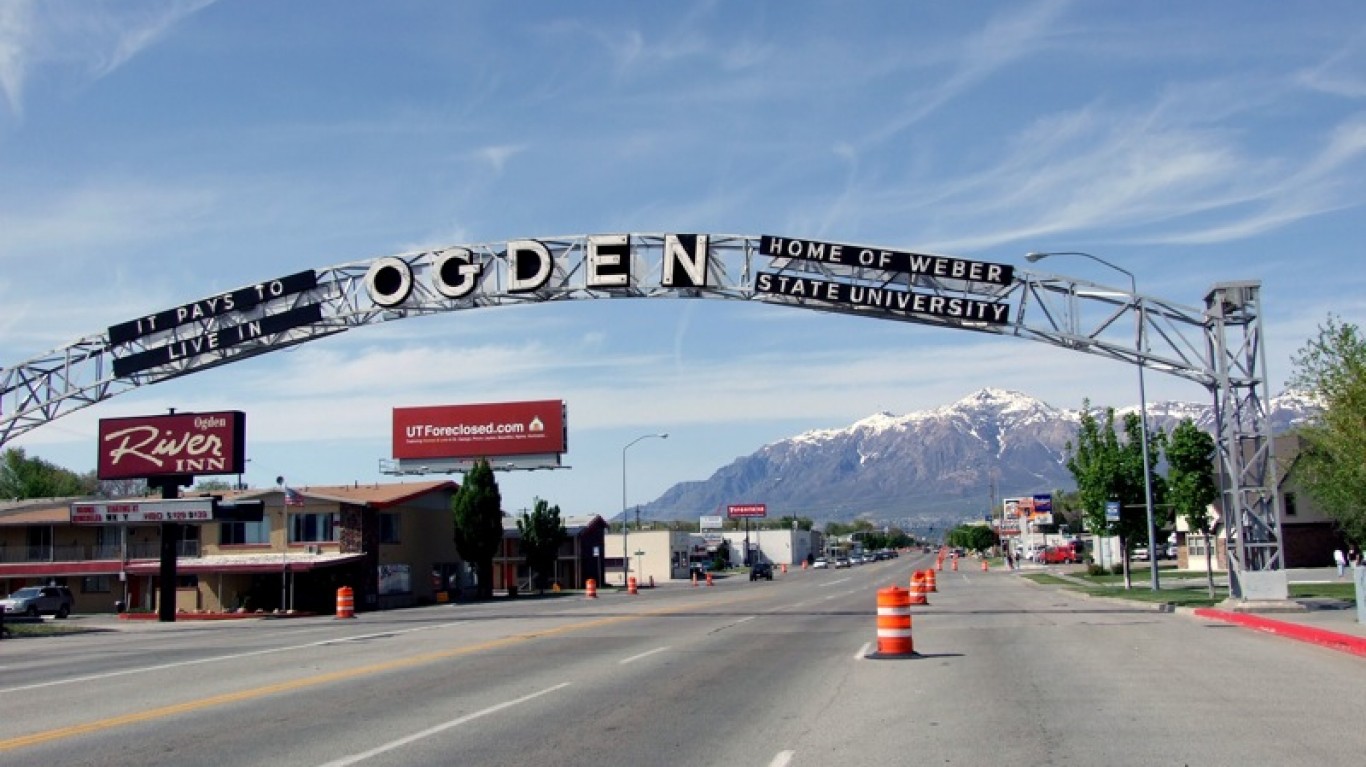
[1219,347]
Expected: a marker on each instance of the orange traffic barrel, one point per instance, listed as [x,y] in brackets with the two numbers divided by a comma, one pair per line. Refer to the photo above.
[984,565]
[709,583]
[955,564]
[930,582]
[591,586]
[784,568]
[631,586]
[346,602]
[919,589]
[894,623]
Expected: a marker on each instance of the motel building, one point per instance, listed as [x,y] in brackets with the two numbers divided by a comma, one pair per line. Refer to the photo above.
[393,544]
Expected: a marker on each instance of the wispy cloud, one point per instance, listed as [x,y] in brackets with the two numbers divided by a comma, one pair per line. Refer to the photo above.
[87,40]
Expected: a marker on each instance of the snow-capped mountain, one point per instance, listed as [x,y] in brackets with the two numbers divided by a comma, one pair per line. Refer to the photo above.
[922,468]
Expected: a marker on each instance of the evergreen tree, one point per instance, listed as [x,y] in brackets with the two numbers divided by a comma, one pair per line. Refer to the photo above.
[477,508]
[542,534]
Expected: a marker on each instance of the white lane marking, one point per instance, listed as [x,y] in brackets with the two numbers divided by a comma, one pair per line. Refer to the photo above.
[430,731]
[832,583]
[647,653]
[742,620]
[221,658]
[863,651]
[782,759]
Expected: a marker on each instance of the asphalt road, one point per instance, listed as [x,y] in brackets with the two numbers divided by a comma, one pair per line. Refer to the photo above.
[763,673]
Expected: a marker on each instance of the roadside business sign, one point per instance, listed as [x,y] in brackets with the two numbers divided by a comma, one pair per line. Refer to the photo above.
[142,511]
[709,523]
[1112,511]
[746,510]
[143,447]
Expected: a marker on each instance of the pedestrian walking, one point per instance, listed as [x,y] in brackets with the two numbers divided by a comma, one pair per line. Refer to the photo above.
[1354,557]
[1340,560]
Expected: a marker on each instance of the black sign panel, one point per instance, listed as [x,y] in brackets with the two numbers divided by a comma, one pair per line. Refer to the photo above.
[946,267]
[241,300]
[220,339]
[239,511]
[886,299]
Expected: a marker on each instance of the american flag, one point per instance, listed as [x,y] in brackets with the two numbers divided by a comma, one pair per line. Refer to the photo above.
[293,497]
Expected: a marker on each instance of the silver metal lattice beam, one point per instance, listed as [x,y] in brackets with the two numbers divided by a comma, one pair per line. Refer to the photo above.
[1074,314]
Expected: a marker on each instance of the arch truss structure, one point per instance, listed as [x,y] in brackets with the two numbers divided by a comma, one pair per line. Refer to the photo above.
[1218,347]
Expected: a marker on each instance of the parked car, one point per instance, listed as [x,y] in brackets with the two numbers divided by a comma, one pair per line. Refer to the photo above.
[843,562]
[821,563]
[1059,555]
[39,600]
[761,570]
[1140,554]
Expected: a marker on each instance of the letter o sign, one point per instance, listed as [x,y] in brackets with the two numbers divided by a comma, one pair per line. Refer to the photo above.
[389,281]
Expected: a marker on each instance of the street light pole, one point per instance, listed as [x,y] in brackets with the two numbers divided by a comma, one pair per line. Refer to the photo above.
[625,549]
[1142,399]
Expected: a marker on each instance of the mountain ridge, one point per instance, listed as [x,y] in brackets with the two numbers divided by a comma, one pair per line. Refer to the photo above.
[925,468]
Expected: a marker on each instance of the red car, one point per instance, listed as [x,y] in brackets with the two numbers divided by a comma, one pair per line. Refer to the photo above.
[1059,555]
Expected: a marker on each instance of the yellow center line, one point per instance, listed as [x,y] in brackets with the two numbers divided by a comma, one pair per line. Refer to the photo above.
[100,725]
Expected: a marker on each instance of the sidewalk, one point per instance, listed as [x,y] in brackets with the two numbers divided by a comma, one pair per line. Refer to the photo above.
[1326,622]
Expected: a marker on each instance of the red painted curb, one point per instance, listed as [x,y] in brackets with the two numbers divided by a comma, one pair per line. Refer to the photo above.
[1331,639]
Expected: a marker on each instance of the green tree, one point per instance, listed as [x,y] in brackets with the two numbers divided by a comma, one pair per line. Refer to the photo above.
[1190,483]
[542,534]
[477,508]
[1331,468]
[24,477]
[972,537]
[1107,470]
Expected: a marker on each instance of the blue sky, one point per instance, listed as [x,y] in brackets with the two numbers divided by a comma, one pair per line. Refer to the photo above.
[154,153]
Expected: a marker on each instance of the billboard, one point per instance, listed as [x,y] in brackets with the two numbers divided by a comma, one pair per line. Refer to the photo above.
[746,510]
[480,431]
[143,447]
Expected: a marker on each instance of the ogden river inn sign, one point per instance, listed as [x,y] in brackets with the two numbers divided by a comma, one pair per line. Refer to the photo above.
[1218,346]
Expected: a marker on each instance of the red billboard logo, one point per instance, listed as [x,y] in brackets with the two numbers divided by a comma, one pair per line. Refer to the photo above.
[480,431]
[742,510]
[182,443]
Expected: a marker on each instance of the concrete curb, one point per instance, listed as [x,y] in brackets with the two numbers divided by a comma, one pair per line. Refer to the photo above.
[1322,637]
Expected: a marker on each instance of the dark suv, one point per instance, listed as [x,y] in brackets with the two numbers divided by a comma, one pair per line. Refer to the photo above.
[38,600]
[761,570]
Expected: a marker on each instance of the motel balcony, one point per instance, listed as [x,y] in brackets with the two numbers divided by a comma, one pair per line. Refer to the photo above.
[11,554]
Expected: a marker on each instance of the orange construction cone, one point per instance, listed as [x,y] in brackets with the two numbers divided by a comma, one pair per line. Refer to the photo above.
[984,565]
[694,580]
[346,602]
[592,589]
[709,583]
[631,586]
[917,593]
[955,564]
[894,624]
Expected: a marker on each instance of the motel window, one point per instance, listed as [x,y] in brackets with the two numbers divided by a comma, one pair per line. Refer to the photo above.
[314,528]
[390,527]
[243,533]
[96,584]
